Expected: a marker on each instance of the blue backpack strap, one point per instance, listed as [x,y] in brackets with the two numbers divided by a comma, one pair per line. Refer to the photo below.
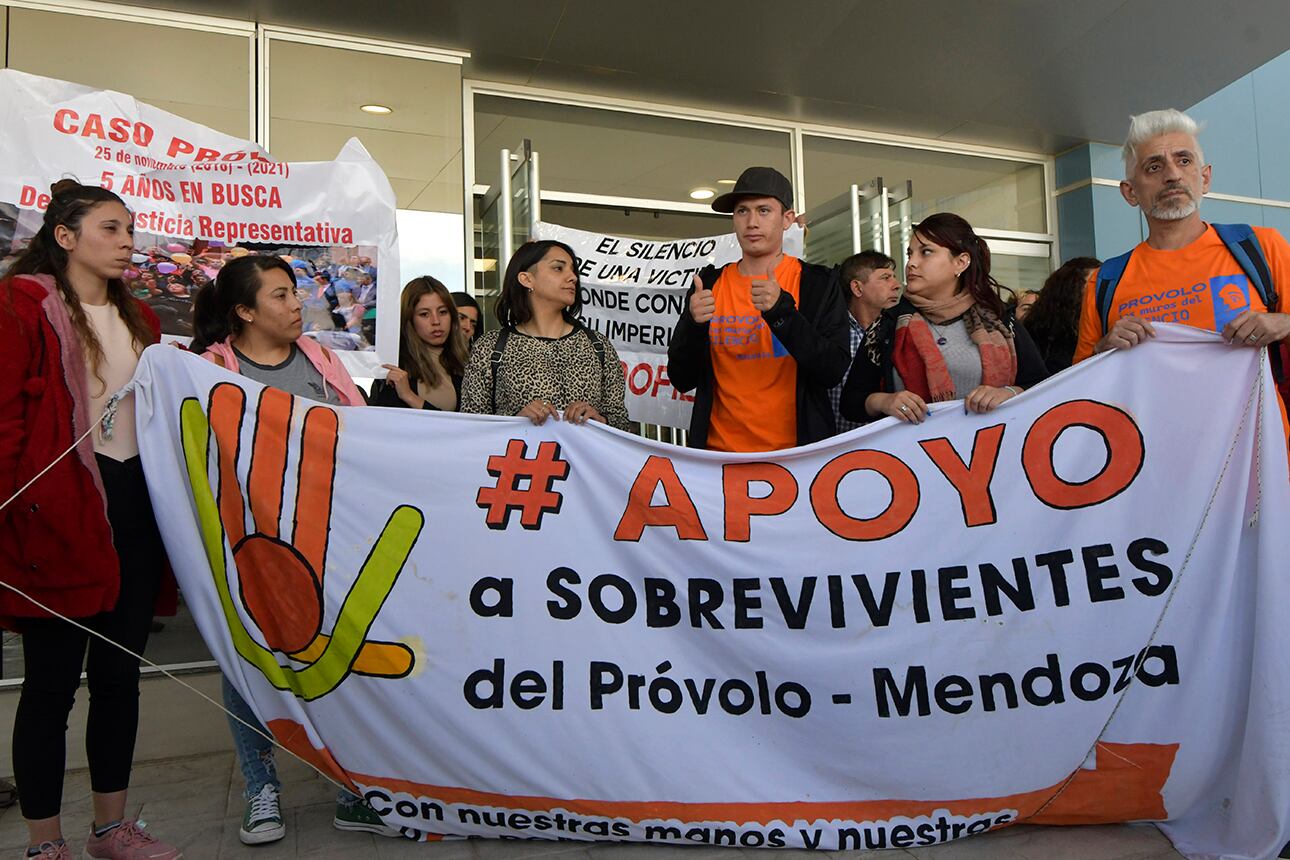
[1108,278]
[1244,246]
[1241,243]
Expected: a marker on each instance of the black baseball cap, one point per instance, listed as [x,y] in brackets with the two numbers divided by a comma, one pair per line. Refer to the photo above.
[756,182]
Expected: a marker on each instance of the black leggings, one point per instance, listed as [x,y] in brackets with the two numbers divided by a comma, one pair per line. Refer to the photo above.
[53,651]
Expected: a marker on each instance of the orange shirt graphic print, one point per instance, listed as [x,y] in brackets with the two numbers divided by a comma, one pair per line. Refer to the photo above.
[280,579]
[754,403]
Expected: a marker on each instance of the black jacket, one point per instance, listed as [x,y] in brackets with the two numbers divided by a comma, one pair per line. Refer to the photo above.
[384,394]
[866,379]
[816,336]
[1058,350]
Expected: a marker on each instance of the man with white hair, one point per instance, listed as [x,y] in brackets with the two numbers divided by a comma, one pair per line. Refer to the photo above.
[1228,278]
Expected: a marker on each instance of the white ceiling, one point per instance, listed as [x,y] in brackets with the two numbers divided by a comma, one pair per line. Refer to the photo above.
[1033,74]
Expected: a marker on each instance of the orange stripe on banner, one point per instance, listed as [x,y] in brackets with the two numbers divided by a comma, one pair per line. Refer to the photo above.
[228,403]
[1126,786]
[315,490]
[293,736]
[269,460]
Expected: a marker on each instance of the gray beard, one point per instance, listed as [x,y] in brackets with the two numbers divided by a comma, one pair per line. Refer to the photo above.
[1168,213]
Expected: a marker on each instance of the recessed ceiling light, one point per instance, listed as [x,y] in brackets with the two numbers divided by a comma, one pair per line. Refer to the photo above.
[378,109]
[725,182]
[702,194]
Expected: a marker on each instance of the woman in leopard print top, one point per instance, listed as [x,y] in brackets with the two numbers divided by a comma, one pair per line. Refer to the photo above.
[550,362]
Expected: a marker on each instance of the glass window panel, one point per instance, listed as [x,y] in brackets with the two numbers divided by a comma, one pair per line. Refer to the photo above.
[620,154]
[315,95]
[988,192]
[1020,273]
[203,77]
[440,256]
[315,92]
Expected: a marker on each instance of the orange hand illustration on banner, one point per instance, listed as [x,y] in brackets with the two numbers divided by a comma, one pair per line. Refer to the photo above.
[281,581]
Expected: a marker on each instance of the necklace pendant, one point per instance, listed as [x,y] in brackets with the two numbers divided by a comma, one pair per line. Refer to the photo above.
[941,341]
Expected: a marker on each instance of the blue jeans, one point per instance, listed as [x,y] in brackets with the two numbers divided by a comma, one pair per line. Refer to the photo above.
[255,751]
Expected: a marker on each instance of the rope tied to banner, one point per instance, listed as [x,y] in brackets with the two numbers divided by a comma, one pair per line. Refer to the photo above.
[1257,390]
[106,422]
[1264,368]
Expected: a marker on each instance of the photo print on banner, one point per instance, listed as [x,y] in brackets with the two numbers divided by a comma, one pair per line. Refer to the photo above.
[633,291]
[200,198]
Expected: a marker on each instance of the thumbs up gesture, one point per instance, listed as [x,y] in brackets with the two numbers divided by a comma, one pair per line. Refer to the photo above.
[765,292]
[702,303]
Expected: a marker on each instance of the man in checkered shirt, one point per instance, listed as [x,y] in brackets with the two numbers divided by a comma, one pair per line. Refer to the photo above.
[869,286]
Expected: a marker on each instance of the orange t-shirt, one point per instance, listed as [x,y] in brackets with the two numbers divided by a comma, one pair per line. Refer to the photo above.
[1199,285]
[754,400]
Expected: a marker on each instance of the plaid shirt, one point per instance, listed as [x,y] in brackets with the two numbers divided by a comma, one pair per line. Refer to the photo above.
[835,393]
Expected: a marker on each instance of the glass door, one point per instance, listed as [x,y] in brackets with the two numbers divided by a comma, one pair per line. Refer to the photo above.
[868,217]
[833,229]
[900,225]
[874,218]
[507,216]
[520,187]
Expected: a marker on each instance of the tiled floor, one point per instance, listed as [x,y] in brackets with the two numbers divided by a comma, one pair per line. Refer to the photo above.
[196,802]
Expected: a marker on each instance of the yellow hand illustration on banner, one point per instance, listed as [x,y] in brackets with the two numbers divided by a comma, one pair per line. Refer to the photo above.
[281,582]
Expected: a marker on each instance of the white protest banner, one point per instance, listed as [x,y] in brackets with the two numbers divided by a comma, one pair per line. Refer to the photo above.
[200,197]
[1070,610]
[633,291]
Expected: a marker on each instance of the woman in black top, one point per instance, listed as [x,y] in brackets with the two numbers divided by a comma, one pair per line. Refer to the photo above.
[1053,321]
[432,351]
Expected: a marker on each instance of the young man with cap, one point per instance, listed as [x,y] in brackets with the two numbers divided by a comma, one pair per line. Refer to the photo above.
[760,341]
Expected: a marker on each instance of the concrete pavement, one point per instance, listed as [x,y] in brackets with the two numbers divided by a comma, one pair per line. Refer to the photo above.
[187,787]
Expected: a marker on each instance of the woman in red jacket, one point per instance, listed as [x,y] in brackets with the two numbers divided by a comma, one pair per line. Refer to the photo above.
[82,539]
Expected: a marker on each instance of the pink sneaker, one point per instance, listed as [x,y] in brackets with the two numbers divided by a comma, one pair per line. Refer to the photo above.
[52,851]
[129,842]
